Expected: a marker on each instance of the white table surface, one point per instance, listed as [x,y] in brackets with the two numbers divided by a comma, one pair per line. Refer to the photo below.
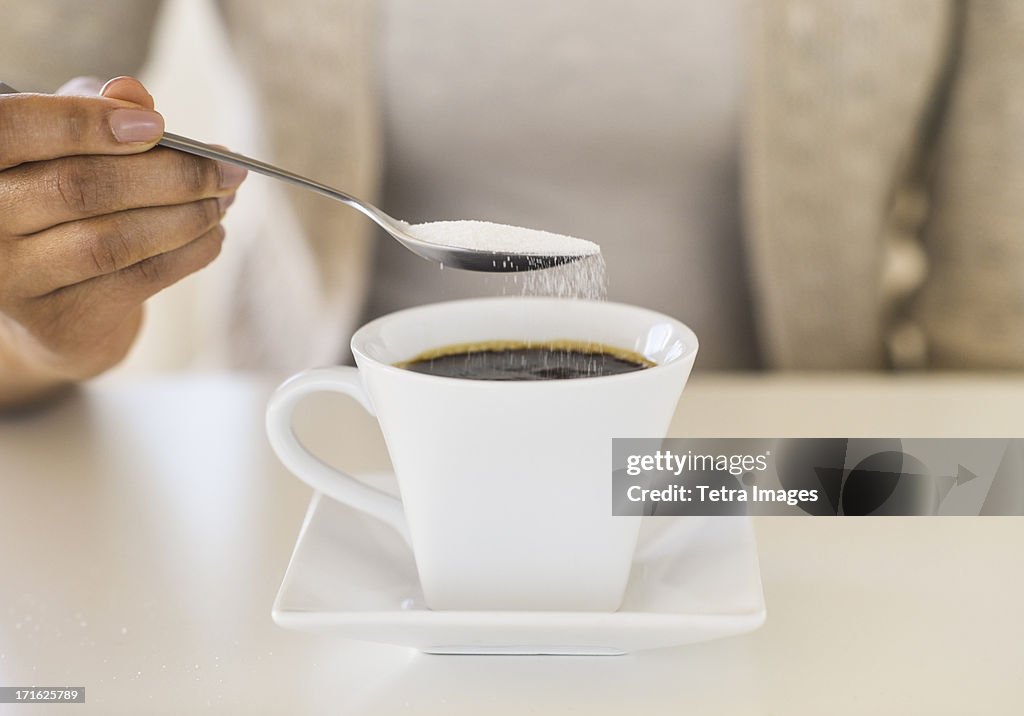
[145,527]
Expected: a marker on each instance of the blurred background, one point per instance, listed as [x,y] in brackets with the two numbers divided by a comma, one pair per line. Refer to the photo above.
[809,185]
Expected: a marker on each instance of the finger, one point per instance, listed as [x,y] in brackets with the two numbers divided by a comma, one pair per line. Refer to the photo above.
[128,89]
[35,127]
[83,86]
[80,250]
[120,291]
[74,188]
[101,305]
[140,281]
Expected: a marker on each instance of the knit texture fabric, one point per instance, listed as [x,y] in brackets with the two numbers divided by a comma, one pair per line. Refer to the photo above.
[836,94]
[971,307]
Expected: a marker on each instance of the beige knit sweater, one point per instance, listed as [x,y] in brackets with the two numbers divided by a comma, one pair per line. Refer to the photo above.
[883,164]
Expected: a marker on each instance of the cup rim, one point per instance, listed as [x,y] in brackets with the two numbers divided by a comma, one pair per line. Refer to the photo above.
[363,333]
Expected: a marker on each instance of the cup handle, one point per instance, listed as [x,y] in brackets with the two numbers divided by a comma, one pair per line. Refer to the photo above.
[310,469]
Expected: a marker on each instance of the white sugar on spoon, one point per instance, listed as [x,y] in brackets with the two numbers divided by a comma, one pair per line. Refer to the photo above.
[501,239]
[581,278]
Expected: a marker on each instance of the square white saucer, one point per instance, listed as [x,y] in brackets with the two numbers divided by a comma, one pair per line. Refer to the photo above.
[693,579]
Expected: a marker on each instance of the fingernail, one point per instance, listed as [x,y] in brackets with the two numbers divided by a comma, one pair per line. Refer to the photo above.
[115,80]
[225,201]
[136,125]
[230,175]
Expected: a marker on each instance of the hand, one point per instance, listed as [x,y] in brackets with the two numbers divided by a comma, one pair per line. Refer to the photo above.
[94,219]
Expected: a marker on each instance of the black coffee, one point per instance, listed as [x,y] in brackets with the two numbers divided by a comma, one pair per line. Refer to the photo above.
[510,360]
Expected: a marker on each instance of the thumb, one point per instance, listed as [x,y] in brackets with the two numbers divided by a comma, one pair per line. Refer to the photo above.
[127,89]
[37,127]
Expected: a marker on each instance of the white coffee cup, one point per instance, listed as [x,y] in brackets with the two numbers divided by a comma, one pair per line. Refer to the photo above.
[506,486]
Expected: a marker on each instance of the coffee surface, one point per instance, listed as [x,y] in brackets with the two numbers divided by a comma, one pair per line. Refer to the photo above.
[511,360]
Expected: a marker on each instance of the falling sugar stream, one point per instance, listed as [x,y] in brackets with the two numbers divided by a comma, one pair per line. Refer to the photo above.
[584,278]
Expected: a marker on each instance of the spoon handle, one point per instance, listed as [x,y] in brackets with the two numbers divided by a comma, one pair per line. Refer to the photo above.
[208,151]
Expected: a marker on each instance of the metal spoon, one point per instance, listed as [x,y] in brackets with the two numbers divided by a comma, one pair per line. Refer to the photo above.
[448,256]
